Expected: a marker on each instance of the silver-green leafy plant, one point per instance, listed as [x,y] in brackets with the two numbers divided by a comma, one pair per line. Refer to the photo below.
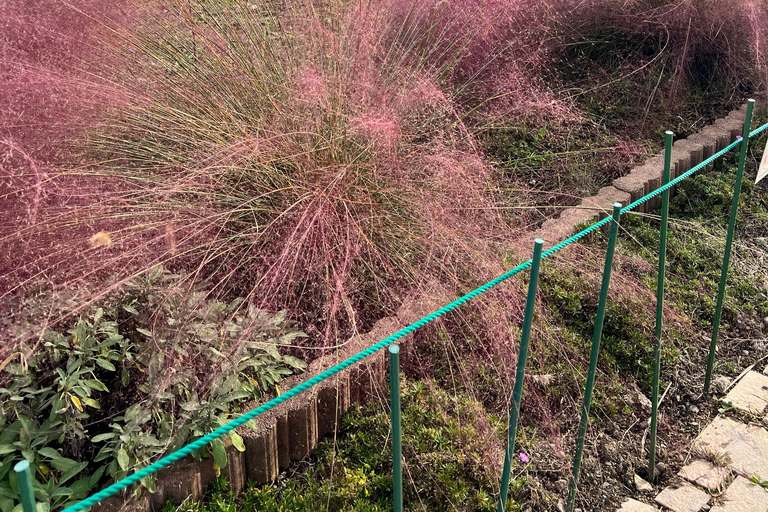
[155,368]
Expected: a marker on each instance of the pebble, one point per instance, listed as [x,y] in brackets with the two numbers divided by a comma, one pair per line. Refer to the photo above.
[741,325]
[644,401]
[721,383]
[642,485]
[745,352]
[765,321]
[693,409]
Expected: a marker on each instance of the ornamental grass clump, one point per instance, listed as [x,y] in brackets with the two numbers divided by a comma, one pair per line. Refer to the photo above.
[312,156]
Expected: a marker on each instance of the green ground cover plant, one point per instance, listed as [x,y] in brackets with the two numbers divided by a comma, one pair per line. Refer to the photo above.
[452,449]
[698,215]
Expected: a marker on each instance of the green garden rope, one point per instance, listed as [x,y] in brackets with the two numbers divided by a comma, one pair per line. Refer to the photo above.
[203,441]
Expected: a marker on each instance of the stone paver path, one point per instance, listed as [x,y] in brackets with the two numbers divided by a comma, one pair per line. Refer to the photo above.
[731,447]
[743,496]
[750,394]
[744,446]
[704,474]
[683,499]
[636,506]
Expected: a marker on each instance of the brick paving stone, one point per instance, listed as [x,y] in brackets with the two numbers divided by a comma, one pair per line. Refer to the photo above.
[704,474]
[636,506]
[745,445]
[750,394]
[683,499]
[743,496]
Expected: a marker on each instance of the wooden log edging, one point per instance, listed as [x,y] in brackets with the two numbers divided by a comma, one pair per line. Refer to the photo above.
[645,178]
[290,431]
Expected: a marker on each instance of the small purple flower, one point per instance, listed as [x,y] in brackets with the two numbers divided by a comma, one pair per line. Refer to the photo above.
[524,458]
[738,137]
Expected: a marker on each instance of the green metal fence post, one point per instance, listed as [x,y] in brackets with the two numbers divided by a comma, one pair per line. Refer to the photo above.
[659,308]
[728,244]
[25,486]
[397,441]
[522,357]
[593,357]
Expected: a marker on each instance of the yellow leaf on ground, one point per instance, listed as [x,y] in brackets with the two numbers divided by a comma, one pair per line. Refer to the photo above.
[101,238]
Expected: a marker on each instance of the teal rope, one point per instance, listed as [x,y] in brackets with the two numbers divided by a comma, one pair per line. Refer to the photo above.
[199,443]
[758,130]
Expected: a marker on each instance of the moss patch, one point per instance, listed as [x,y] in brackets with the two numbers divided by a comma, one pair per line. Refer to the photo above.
[451,446]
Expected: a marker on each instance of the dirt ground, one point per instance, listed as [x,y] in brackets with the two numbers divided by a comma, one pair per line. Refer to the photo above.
[617,450]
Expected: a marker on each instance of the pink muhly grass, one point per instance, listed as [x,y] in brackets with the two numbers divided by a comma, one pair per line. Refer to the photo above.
[311,86]
[380,129]
[304,177]
[325,161]
[23,189]
[51,96]
[727,32]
